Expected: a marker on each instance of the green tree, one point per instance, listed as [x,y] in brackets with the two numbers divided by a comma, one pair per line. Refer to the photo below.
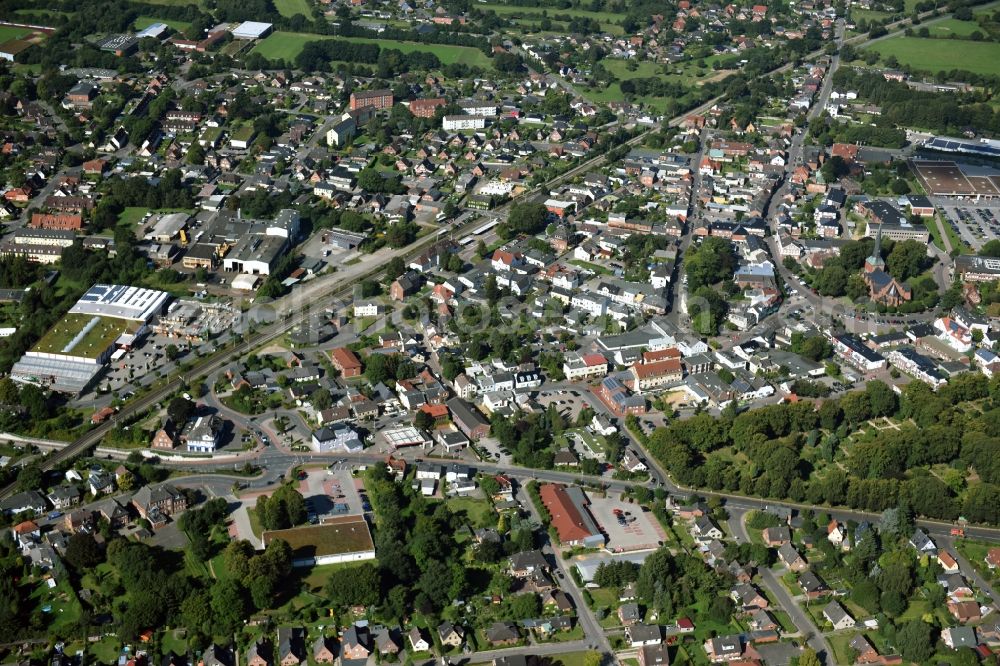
[809,658]
[395,268]
[907,259]
[359,585]
[180,410]
[83,552]
[229,606]
[915,641]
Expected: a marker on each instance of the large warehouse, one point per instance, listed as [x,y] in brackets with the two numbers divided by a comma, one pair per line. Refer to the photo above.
[70,355]
[945,178]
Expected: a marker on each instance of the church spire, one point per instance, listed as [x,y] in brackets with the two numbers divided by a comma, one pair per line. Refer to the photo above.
[875,260]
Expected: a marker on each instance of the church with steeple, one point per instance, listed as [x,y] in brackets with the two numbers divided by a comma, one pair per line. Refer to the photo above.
[882,287]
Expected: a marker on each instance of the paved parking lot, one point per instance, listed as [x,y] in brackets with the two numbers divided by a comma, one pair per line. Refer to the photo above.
[569,403]
[324,488]
[975,223]
[492,452]
[642,532]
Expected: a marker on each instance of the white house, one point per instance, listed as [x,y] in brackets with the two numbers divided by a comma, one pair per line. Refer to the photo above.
[463,122]
[367,309]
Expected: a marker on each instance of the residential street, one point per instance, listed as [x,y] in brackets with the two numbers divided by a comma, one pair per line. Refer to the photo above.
[807,628]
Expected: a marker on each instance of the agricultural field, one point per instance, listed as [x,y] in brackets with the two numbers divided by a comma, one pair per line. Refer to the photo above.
[144,22]
[286,45]
[934,55]
[289,8]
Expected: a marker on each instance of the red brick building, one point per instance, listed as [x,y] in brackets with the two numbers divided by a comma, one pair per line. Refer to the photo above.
[65,222]
[425,108]
[346,361]
[380,99]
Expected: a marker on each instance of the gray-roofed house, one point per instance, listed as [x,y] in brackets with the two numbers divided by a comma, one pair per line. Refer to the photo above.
[643,634]
[29,500]
[502,633]
[450,634]
[291,646]
[959,637]
[323,651]
[629,614]
[923,543]
[527,562]
[792,558]
[838,616]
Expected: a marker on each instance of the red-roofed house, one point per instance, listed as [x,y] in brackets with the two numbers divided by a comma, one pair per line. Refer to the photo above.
[346,361]
[648,376]
[965,611]
[653,356]
[506,261]
[947,562]
[585,366]
[846,151]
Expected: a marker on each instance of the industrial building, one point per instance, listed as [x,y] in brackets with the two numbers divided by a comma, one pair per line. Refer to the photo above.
[71,354]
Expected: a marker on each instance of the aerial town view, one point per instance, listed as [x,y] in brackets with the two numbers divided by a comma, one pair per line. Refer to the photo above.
[499,332]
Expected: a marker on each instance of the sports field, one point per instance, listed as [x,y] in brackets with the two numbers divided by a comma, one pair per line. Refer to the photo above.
[8,32]
[934,55]
[290,8]
[286,45]
[94,342]
[144,22]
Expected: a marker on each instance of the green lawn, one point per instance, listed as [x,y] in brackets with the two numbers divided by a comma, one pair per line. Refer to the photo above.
[144,22]
[290,8]
[12,32]
[479,511]
[286,45]
[868,15]
[255,525]
[134,214]
[946,27]
[175,3]
[531,16]
[555,14]
[934,55]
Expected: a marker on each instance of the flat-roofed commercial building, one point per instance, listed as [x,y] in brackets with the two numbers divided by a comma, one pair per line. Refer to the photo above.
[335,540]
